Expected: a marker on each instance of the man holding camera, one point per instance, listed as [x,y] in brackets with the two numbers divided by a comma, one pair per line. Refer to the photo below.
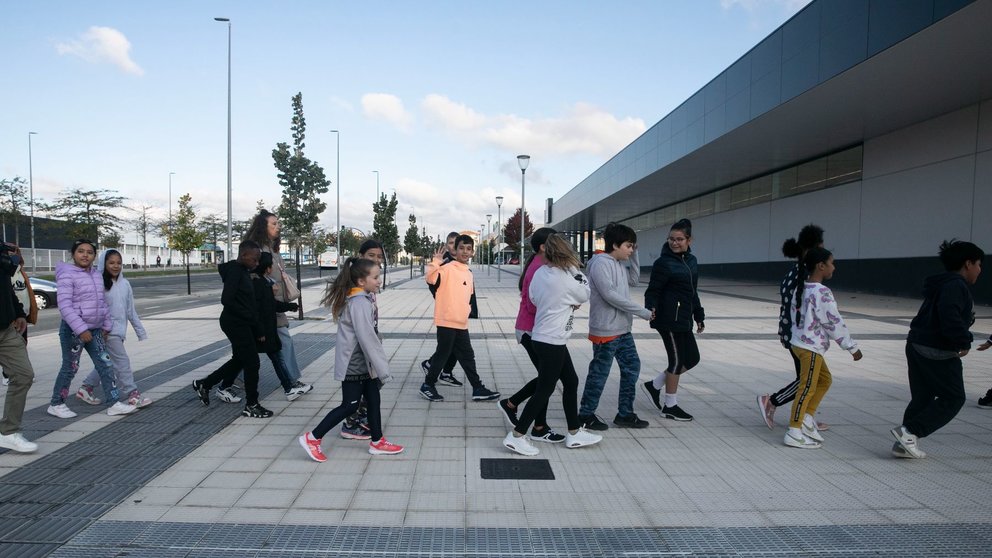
[13,357]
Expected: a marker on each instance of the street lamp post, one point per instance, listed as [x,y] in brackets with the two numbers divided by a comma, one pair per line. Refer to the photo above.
[376,186]
[170,215]
[230,232]
[499,234]
[489,247]
[523,161]
[34,255]
[337,224]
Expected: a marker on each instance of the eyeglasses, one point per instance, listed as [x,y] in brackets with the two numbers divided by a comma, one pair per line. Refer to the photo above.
[677,239]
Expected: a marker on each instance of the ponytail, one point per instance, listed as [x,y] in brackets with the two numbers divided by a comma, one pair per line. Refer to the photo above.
[336,293]
[810,237]
[537,240]
[815,255]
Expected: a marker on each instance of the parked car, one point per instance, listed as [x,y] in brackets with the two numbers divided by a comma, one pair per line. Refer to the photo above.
[45,292]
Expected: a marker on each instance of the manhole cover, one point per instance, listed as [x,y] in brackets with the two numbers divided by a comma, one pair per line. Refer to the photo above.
[517,469]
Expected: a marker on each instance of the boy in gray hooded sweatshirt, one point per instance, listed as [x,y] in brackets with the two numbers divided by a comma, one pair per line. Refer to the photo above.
[611,315]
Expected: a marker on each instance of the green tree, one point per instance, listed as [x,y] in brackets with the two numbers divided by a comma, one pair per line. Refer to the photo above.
[186,236]
[426,244]
[111,239]
[411,241]
[86,210]
[384,225]
[215,228]
[13,200]
[143,225]
[350,242]
[302,182]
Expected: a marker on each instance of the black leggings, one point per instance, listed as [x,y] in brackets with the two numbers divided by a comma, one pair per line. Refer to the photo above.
[526,392]
[683,354]
[788,393]
[351,394]
[553,364]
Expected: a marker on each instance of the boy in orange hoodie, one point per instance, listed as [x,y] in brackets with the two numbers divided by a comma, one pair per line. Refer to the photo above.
[452,305]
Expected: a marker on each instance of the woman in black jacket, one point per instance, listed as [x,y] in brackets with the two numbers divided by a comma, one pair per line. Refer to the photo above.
[673,297]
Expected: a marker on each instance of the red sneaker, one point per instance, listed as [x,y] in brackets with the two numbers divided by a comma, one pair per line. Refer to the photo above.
[312,446]
[384,447]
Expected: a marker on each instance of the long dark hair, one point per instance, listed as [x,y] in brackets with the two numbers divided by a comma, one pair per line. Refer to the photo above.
[537,240]
[336,293]
[810,237]
[108,280]
[815,255]
[259,231]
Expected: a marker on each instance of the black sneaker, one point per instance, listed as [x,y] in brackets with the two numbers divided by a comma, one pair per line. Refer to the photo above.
[592,422]
[430,393]
[202,392]
[985,402]
[510,415]
[547,435]
[482,393]
[256,411]
[426,366]
[630,421]
[676,413]
[653,392]
[449,379]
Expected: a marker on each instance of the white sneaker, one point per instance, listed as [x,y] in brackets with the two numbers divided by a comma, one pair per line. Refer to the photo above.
[227,396]
[6,381]
[61,411]
[802,441]
[519,444]
[909,442]
[120,408]
[581,438]
[297,390]
[810,431]
[17,442]
[86,396]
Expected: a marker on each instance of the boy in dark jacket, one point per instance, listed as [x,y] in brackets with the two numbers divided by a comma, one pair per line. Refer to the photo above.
[938,339]
[241,324]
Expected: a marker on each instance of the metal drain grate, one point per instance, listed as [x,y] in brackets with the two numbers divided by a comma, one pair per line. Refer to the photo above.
[516,469]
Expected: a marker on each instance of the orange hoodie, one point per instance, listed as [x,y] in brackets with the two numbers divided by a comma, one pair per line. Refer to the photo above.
[451,304]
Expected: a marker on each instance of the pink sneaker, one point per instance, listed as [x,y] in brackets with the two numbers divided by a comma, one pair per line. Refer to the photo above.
[312,446]
[767,410]
[384,447]
[85,394]
[135,398]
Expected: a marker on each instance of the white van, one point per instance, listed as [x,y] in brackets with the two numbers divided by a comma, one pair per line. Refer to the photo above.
[329,259]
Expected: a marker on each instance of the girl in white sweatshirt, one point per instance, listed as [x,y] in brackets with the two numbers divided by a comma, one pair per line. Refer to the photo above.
[120,302]
[557,290]
[817,321]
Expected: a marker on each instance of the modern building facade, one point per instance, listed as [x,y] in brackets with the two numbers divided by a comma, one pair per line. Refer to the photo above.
[871,118]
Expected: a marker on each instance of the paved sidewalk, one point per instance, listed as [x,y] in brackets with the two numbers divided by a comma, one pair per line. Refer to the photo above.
[179,479]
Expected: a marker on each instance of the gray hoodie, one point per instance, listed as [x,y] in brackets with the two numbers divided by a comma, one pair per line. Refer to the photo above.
[357,345]
[120,302]
[611,312]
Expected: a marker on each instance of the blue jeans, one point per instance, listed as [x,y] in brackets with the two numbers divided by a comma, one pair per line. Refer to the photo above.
[288,354]
[72,350]
[625,352]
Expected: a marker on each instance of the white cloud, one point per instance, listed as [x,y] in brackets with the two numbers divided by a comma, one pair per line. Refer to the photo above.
[583,128]
[752,5]
[102,44]
[383,106]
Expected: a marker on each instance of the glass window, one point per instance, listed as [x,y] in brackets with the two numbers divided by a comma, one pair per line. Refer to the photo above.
[723,200]
[783,183]
[845,166]
[761,189]
[890,21]
[812,176]
[707,205]
[692,208]
[740,195]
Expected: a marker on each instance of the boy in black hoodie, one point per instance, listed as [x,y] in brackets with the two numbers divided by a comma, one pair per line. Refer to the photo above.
[241,324]
[938,339]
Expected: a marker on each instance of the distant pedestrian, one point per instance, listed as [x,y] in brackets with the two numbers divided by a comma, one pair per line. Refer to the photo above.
[158,261]
[817,323]
[452,309]
[239,320]
[25,294]
[134,263]
[13,357]
[120,303]
[356,427]
[811,236]
[447,376]
[557,290]
[526,313]
[611,273]
[673,296]
[939,338]
[86,324]
[360,363]
[986,401]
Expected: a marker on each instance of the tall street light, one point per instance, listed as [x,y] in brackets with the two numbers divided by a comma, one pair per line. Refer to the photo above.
[170,215]
[499,234]
[34,255]
[523,161]
[337,233]
[376,186]
[230,232]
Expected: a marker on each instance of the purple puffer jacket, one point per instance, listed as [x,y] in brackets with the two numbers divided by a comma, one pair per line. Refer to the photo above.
[81,300]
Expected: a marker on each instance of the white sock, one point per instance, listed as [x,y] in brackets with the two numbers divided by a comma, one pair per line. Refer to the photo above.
[659,382]
[670,399]
[796,433]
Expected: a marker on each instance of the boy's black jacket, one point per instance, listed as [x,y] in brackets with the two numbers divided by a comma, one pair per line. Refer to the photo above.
[672,293]
[945,315]
[238,297]
[268,306]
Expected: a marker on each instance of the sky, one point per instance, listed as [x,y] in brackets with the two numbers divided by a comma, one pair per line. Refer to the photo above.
[438,96]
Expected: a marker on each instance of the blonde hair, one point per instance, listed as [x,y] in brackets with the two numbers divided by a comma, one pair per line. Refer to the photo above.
[558,252]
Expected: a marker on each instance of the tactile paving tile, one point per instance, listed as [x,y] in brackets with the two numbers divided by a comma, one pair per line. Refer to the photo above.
[31,550]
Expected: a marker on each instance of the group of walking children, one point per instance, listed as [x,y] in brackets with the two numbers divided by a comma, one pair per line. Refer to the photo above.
[96,303]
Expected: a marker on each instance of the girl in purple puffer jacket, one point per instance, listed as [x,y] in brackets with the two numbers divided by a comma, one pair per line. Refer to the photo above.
[85,325]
